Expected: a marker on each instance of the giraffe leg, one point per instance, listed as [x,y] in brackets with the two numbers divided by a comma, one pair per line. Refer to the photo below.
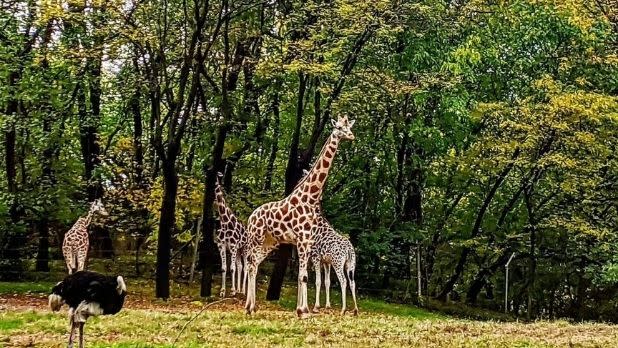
[67,259]
[251,286]
[303,259]
[245,273]
[81,260]
[351,267]
[258,254]
[239,273]
[327,284]
[252,267]
[318,284]
[222,248]
[233,254]
[343,282]
[69,264]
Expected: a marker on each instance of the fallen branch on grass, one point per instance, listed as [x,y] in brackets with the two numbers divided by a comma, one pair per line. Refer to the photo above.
[197,315]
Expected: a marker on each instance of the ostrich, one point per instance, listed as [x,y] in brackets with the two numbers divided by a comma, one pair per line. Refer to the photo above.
[87,294]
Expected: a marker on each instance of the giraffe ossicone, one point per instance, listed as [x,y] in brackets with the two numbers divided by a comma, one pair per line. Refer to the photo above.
[291,219]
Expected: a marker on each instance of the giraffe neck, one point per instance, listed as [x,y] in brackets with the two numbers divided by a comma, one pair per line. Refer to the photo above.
[220,200]
[313,183]
[89,217]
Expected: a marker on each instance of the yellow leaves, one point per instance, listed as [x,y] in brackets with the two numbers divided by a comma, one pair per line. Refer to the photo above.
[584,138]
[558,160]
[577,228]
[50,10]
[188,200]
[350,10]
[311,68]
[547,84]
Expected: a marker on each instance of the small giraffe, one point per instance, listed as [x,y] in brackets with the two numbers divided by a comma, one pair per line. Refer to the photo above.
[230,236]
[76,243]
[332,249]
[291,219]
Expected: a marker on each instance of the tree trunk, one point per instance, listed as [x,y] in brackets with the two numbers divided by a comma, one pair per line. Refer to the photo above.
[88,139]
[47,181]
[481,277]
[275,145]
[532,257]
[208,250]
[138,156]
[291,178]
[166,226]
[42,256]
[10,138]
[138,244]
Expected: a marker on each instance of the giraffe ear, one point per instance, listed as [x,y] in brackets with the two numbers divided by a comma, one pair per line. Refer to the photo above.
[351,123]
[333,123]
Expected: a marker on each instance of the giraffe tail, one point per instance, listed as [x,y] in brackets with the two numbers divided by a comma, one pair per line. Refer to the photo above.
[350,265]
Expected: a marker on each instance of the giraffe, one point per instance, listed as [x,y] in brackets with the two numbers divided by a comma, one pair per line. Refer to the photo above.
[76,242]
[332,249]
[230,236]
[291,219]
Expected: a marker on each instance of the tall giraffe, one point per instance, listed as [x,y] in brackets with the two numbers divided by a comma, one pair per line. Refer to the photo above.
[291,219]
[76,242]
[230,236]
[332,249]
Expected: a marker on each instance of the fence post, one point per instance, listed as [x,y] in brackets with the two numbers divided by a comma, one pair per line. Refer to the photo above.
[506,284]
[198,234]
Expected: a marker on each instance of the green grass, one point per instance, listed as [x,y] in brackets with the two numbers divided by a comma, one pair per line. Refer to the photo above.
[10,324]
[377,306]
[227,326]
[158,324]
[26,287]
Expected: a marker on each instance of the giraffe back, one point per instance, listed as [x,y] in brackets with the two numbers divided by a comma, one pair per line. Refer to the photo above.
[330,246]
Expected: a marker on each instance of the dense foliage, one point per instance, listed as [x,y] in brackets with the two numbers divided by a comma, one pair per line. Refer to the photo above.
[484,129]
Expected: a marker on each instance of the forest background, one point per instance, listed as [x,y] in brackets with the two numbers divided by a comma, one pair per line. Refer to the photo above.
[484,128]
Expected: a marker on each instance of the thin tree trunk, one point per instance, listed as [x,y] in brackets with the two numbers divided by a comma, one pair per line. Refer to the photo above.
[208,251]
[198,238]
[275,145]
[166,226]
[532,257]
[47,179]
[10,139]
[138,244]
[138,156]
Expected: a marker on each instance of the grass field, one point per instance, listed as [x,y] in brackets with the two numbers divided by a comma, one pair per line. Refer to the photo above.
[25,321]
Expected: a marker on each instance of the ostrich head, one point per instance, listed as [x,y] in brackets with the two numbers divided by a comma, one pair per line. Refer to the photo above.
[55,299]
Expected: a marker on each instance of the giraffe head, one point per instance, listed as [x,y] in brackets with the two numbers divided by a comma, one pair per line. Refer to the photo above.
[342,128]
[97,207]
[219,186]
